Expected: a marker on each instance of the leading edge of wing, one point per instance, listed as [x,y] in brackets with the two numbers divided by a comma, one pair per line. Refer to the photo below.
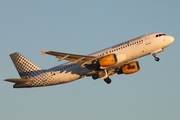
[69,56]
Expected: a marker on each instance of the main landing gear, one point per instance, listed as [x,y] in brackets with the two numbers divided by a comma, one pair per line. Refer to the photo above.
[96,76]
[156,58]
[107,80]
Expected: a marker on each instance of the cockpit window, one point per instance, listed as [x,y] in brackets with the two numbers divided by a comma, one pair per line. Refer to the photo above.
[158,35]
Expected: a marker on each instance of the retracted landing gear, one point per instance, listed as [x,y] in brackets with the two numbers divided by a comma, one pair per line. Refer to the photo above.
[107,80]
[156,58]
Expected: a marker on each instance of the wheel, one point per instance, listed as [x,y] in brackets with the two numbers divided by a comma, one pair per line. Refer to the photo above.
[107,80]
[119,71]
[95,76]
[157,59]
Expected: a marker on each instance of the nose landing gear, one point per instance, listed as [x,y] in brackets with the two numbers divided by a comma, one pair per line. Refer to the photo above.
[156,58]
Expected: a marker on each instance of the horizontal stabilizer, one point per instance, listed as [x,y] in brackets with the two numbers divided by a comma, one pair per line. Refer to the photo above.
[17,80]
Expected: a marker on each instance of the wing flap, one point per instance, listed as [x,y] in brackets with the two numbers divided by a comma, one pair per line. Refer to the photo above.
[17,80]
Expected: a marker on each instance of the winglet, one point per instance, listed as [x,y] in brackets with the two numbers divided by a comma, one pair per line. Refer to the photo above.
[43,52]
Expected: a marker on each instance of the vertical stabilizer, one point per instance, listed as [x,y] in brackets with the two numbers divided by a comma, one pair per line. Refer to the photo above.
[25,67]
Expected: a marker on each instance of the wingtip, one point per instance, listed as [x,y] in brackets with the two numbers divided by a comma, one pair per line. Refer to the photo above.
[43,52]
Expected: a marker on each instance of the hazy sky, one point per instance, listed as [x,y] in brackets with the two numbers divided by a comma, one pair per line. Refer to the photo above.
[83,27]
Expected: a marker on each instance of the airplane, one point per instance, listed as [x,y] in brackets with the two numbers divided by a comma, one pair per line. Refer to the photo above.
[118,59]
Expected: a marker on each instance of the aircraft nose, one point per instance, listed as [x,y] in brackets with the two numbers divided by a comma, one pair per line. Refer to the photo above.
[171,39]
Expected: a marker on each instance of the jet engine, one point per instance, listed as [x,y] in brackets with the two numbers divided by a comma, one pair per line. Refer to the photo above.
[129,68]
[108,60]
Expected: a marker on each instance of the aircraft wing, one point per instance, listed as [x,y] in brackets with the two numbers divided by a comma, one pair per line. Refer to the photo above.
[73,58]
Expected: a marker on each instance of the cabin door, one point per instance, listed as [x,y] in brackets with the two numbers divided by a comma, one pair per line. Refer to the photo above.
[147,40]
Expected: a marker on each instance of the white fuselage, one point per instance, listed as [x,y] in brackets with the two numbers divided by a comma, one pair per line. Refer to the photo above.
[127,51]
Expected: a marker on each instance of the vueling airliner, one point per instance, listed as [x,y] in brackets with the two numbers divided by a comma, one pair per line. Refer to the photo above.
[102,64]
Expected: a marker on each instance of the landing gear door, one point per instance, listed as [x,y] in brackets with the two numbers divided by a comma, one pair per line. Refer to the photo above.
[147,40]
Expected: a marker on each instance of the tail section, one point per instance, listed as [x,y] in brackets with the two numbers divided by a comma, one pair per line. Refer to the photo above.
[19,83]
[25,67]
[31,75]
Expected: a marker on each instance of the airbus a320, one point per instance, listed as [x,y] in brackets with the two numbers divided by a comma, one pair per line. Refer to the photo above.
[120,59]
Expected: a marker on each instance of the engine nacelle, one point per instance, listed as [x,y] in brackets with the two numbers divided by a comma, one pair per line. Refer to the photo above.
[131,68]
[108,60]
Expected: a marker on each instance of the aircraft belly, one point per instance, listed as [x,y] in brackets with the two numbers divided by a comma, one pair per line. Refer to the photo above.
[68,77]
[52,79]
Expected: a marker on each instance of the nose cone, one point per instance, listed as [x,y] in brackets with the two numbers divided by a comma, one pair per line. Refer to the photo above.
[171,39]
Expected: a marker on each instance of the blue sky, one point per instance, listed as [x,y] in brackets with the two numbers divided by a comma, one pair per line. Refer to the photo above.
[83,27]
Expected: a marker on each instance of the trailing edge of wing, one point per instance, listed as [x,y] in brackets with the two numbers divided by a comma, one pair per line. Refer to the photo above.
[17,80]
